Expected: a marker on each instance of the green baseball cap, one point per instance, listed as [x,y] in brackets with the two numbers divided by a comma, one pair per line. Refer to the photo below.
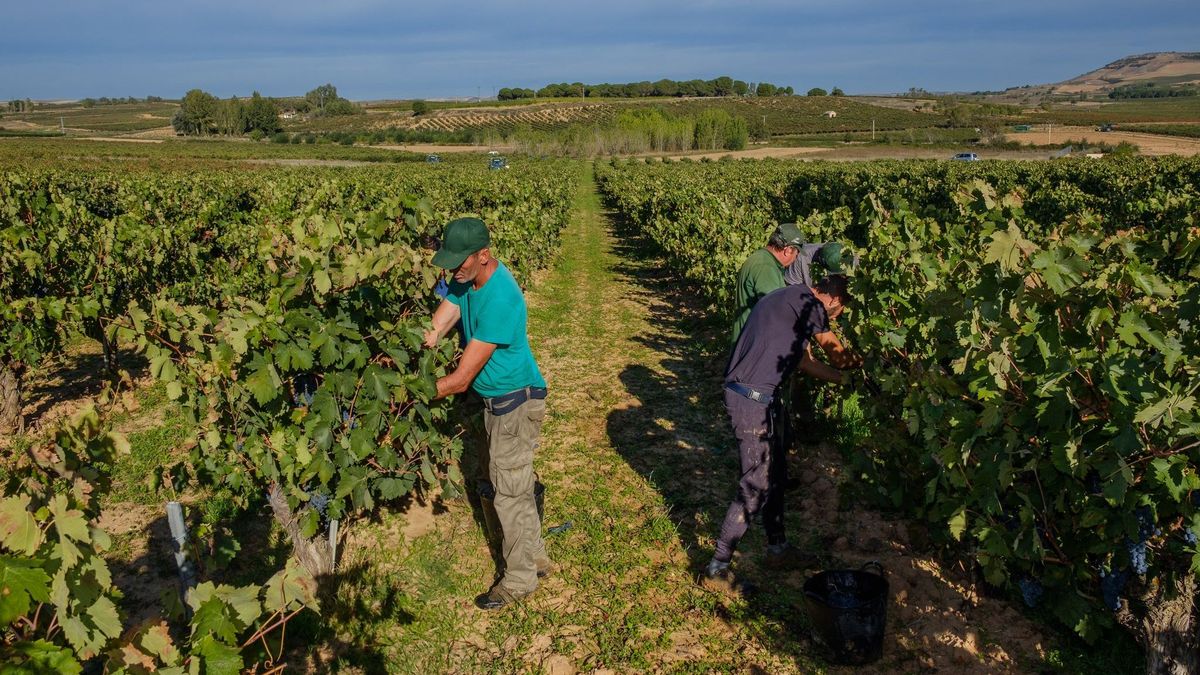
[463,237]
[791,234]
[831,257]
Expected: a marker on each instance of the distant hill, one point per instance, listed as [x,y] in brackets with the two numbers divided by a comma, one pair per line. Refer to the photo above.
[1161,68]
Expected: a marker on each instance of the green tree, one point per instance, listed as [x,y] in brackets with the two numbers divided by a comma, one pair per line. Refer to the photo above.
[195,114]
[320,97]
[420,107]
[837,91]
[262,114]
[666,87]
[229,117]
[817,91]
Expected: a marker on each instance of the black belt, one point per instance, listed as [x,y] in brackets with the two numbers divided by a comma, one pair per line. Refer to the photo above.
[753,395]
[506,403]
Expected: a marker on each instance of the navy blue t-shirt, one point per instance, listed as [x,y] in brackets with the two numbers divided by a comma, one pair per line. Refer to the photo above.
[775,336]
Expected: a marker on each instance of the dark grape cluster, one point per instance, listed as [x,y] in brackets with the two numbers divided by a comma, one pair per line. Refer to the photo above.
[1137,548]
[1111,585]
[346,418]
[318,500]
[303,389]
[1137,557]
[1031,590]
[1189,536]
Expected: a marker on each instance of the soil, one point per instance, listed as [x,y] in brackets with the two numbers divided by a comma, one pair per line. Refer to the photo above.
[853,152]
[936,619]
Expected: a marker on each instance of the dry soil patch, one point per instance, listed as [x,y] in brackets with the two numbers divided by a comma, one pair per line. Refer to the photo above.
[1149,144]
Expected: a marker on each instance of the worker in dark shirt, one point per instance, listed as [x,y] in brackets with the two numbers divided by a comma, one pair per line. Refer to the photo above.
[776,341]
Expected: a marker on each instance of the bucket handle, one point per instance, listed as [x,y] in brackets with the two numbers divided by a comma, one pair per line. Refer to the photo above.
[877,568]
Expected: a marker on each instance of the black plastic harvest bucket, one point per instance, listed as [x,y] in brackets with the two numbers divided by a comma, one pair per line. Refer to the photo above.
[848,610]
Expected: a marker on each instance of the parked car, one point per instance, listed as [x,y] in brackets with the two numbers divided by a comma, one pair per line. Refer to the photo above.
[433,159]
[966,157]
[1105,127]
[497,163]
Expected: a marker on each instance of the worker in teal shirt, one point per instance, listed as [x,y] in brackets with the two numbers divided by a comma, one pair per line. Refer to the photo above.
[498,364]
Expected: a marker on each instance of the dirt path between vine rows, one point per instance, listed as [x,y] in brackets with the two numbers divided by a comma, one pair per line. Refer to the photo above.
[637,458]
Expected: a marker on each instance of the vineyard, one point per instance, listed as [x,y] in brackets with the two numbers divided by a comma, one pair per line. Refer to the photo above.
[283,311]
[1031,328]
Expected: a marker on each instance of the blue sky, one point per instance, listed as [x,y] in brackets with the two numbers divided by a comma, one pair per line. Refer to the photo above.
[373,49]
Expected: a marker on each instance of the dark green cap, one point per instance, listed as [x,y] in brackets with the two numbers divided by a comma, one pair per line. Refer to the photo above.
[463,237]
[830,256]
[791,234]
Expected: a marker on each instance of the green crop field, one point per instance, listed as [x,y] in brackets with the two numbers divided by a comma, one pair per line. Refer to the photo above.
[112,118]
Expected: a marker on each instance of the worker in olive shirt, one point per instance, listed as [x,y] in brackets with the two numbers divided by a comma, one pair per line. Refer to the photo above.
[776,341]
[499,365]
[763,271]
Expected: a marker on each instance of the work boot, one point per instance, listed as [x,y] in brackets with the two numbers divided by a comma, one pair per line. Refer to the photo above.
[786,556]
[498,598]
[545,567]
[718,578]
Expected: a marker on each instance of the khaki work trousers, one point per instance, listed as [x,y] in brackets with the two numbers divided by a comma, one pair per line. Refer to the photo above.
[512,438]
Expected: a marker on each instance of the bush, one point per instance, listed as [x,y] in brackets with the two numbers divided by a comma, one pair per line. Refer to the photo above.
[281,137]
[257,135]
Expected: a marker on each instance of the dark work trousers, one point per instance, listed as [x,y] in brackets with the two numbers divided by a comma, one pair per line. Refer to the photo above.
[763,475]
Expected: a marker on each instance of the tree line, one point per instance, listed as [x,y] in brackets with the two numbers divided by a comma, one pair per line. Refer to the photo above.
[105,100]
[1151,90]
[203,114]
[721,86]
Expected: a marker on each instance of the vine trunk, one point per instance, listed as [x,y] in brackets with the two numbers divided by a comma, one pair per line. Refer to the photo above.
[1170,627]
[313,553]
[11,420]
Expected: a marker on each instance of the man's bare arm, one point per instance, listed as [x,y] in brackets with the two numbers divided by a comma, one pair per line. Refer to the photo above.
[444,318]
[838,354]
[474,357]
[814,368]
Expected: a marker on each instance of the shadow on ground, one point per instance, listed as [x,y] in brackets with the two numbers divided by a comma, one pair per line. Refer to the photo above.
[675,433]
[80,374]
[358,602]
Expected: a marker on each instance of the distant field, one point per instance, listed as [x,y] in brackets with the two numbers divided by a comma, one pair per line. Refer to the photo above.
[1185,130]
[120,118]
[782,115]
[932,136]
[1180,110]
[202,150]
